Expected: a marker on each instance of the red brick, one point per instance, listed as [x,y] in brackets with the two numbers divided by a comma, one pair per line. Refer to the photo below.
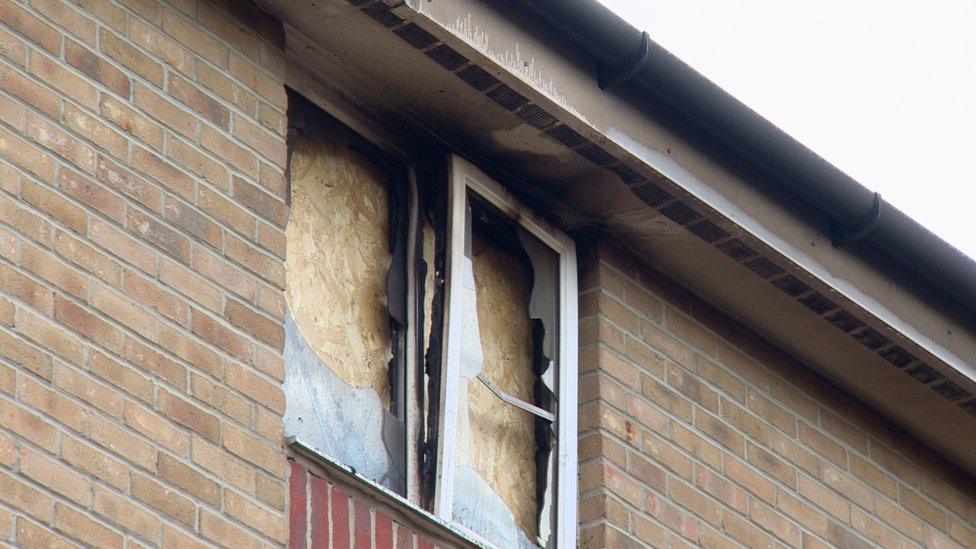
[339,506]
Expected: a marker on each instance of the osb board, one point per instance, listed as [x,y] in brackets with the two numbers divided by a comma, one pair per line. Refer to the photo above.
[503,436]
[337,260]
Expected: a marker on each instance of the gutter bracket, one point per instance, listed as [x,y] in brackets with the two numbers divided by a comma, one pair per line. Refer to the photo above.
[840,236]
[607,78]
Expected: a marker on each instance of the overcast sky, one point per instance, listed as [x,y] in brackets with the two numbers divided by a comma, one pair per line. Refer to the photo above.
[886,91]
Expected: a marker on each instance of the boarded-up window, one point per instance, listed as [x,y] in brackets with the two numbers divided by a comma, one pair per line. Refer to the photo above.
[339,341]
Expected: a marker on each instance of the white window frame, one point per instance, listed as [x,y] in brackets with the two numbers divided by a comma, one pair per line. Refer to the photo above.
[465,177]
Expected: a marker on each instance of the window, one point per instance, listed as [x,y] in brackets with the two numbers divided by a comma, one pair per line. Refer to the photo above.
[430,335]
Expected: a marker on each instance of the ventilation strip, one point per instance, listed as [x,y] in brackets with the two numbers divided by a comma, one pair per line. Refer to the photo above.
[645,189]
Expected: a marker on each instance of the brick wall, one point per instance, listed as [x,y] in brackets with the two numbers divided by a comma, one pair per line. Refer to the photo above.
[326,511]
[141,214]
[692,431]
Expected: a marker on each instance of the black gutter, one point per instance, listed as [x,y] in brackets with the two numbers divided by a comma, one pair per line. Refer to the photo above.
[855,212]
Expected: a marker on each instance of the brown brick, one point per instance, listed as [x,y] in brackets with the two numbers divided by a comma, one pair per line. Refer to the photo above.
[123,512]
[20,218]
[899,466]
[746,422]
[230,31]
[270,300]
[54,476]
[661,395]
[189,284]
[272,179]
[821,444]
[28,290]
[125,312]
[164,111]
[67,18]
[11,112]
[23,497]
[946,495]
[163,498]
[677,520]
[16,83]
[721,489]
[220,271]
[796,454]
[156,428]
[55,205]
[211,330]
[873,529]
[271,239]
[31,536]
[267,522]
[94,462]
[96,67]
[160,234]
[223,465]
[78,525]
[93,195]
[123,443]
[772,465]
[60,408]
[218,82]
[191,158]
[175,538]
[600,506]
[266,330]
[189,415]
[33,28]
[253,386]
[88,324]
[13,48]
[188,479]
[226,211]
[265,85]
[24,355]
[193,37]
[745,532]
[64,80]
[150,294]
[157,43]
[743,365]
[122,376]
[276,211]
[749,479]
[719,431]
[267,267]
[270,491]
[124,53]
[51,337]
[930,513]
[229,151]
[7,310]
[193,97]
[122,245]
[273,119]
[155,364]
[894,516]
[131,122]
[81,254]
[271,146]
[768,519]
[225,533]
[696,501]
[112,15]
[825,499]
[91,128]
[190,351]
[252,449]
[190,220]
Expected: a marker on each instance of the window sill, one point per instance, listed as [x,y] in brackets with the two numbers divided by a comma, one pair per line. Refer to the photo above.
[347,474]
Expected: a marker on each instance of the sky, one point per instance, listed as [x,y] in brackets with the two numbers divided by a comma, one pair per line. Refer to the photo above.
[886,91]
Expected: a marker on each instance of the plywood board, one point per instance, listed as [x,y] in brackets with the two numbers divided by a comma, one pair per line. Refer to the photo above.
[337,260]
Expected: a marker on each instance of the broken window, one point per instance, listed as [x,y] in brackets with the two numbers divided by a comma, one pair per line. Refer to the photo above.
[430,335]
[507,384]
